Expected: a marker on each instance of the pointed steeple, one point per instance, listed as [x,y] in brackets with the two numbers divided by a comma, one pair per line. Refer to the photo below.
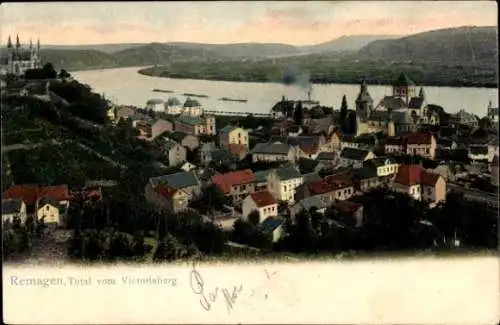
[38,44]
[364,86]
[490,105]
[31,44]
[422,93]
[9,43]
[18,44]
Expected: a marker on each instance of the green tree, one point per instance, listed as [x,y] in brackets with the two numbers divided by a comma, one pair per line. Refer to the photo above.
[298,113]
[254,218]
[343,114]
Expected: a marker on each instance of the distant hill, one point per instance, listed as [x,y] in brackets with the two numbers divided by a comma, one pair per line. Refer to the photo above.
[106,48]
[77,59]
[345,43]
[157,53]
[463,45]
[242,50]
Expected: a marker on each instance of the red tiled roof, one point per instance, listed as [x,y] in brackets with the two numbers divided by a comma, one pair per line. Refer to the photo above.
[415,174]
[419,138]
[226,181]
[165,191]
[58,193]
[319,187]
[263,198]
[428,178]
[340,180]
[27,193]
[347,206]
[30,194]
[310,150]
[408,175]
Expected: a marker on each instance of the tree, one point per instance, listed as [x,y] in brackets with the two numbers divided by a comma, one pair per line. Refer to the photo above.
[254,218]
[48,71]
[343,113]
[298,114]
[63,74]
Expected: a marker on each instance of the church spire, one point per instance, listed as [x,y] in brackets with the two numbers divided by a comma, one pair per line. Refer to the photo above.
[9,43]
[422,93]
[31,44]
[18,44]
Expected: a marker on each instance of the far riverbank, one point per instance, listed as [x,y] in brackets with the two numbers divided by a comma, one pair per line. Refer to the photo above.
[333,72]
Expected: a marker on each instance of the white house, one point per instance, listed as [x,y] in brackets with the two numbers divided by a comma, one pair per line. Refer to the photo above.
[263,202]
[188,166]
[156,104]
[385,166]
[12,208]
[48,210]
[173,106]
[192,107]
[282,183]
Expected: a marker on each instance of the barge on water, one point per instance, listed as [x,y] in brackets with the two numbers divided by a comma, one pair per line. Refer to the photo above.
[162,91]
[233,100]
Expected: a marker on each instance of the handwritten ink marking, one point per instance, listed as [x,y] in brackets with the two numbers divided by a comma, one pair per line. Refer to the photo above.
[197,286]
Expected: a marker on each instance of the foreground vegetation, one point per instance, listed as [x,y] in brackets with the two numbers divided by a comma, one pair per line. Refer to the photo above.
[324,69]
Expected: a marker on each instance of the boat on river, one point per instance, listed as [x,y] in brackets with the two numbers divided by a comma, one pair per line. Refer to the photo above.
[233,100]
[162,91]
[195,95]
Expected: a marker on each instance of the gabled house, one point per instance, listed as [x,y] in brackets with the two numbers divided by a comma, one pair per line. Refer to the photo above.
[187,140]
[12,208]
[306,204]
[383,166]
[205,152]
[307,165]
[366,179]
[334,187]
[350,210]
[175,153]
[420,184]
[348,141]
[336,139]
[263,202]
[237,184]
[152,128]
[232,134]
[31,195]
[187,182]
[328,159]
[272,226]
[195,125]
[170,199]
[274,152]
[394,145]
[173,106]
[51,212]
[422,144]
[353,157]
[282,183]
[261,179]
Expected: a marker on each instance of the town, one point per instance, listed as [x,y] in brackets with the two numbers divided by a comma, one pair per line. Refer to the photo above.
[84,178]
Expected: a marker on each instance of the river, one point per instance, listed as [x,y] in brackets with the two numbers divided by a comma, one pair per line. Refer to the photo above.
[126,86]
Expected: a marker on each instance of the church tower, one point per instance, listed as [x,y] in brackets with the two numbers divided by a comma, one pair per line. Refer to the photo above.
[391,129]
[404,88]
[364,102]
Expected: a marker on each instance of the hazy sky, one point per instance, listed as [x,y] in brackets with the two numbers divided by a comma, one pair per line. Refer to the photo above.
[230,22]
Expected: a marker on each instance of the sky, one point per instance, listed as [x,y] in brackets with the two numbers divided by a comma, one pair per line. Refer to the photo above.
[297,23]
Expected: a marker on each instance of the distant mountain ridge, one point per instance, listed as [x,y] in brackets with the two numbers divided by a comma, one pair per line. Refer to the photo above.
[463,45]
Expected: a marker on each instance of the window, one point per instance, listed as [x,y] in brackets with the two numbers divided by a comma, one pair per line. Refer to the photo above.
[48,208]
[429,191]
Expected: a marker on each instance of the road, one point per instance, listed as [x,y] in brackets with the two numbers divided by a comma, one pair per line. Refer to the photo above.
[474,194]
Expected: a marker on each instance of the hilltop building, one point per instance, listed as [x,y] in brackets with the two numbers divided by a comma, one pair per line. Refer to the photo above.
[16,59]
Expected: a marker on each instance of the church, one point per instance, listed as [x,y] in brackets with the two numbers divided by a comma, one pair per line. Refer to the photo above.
[16,60]
[402,112]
